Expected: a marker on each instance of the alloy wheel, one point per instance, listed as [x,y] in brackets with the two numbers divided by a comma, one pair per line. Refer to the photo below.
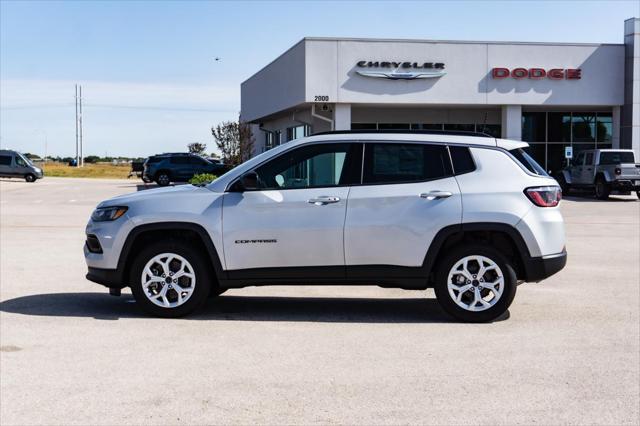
[168,280]
[475,283]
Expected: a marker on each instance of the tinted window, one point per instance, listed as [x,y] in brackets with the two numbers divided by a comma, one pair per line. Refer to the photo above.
[396,163]
[589,159]
[616,157]
[5,160]
[528,162]
[182,159]
[152,160]
[462,160]
[313,166]
[197,160]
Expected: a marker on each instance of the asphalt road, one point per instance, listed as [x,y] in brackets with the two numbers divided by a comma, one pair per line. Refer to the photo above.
[70,354]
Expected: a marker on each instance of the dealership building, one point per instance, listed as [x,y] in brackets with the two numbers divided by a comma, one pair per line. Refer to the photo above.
[552,95]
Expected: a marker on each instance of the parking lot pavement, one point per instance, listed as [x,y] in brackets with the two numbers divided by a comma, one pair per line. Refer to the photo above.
[71,354]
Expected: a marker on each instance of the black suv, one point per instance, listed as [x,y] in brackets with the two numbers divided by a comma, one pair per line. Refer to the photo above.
[178,167]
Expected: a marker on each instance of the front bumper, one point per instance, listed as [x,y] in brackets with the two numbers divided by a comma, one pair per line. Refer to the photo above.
[539,268]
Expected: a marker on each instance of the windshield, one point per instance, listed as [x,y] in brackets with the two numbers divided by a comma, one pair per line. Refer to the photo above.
[25,159]
[528,162]
[613,157]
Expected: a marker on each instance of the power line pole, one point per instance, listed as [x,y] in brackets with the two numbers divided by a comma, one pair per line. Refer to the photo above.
[77,146]
[81,156]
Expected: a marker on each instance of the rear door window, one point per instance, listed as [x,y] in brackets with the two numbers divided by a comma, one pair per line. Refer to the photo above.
[5,160]
[404,163]
[180,159]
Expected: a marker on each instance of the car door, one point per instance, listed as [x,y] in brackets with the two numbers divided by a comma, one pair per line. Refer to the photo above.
[408,194]
[295,218]
[199,165]
[180,167]
[576,169]
[586,175]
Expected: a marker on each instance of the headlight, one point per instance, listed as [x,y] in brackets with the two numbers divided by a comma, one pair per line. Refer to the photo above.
[105,214]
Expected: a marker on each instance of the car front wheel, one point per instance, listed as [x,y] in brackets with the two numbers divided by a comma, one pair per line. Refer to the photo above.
[170,279]
[475,283]
[30,178]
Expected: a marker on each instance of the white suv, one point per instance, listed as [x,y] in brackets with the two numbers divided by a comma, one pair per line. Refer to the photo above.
[470,216]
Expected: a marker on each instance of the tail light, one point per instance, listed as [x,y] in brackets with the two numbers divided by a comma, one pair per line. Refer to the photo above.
[544,196]
[617,171]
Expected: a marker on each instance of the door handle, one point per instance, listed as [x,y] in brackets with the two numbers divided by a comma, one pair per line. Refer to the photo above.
[323,200]
[435,195]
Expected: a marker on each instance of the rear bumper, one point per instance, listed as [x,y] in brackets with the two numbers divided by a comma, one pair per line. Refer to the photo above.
[539,268]
[626,185]
[111,278]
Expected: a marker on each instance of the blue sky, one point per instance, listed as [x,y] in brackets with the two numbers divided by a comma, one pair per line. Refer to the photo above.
[148,72]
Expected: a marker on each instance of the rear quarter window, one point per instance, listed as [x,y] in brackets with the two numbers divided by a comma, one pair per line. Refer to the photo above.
[5,160]
[612,158]
[528,162]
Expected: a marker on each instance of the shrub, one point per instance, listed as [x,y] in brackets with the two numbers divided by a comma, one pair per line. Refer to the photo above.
[202,179]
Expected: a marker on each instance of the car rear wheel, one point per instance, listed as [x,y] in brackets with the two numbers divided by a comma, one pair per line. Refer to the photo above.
[170,279]
[602,189]
[163,179]
[475,283]
[30,178]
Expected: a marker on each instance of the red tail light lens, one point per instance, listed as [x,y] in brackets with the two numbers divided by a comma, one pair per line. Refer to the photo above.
[544,196]
[617,171]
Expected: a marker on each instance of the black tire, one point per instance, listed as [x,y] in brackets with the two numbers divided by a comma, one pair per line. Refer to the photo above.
[204,278]
[602,189]
[30,178]
[163,179]
[449,305]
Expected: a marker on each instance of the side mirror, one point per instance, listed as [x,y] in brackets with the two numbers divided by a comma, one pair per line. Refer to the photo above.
[248,182]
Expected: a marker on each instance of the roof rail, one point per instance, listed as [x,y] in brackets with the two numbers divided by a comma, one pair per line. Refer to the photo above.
[416,132]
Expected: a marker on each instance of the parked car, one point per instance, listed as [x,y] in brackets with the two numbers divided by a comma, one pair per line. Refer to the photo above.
[605,171]
[342,208]
[137,167]
[16,165]
[178,167]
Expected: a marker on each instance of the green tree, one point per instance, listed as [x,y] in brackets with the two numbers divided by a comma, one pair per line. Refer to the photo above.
[197,147]
[235,141]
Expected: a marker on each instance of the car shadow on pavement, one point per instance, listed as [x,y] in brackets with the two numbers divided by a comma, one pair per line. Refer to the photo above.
[240,308]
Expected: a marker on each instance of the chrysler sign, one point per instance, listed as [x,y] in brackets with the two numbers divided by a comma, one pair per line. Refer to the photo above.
[397,70]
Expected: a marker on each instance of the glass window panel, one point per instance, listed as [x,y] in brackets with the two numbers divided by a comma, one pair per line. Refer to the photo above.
[306,167]
[539,153]
[604,128]
[584,127]
[494,130]
[5,160]
[364,126]
[394,126]
[559,127]
[555,157]
[397,163]
[534,127]
[426,126]
[460,127]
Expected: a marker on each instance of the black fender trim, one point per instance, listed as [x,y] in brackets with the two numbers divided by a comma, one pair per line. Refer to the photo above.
[116,278]
[534,268]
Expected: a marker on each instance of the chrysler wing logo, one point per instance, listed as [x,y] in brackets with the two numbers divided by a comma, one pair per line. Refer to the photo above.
[400,70]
